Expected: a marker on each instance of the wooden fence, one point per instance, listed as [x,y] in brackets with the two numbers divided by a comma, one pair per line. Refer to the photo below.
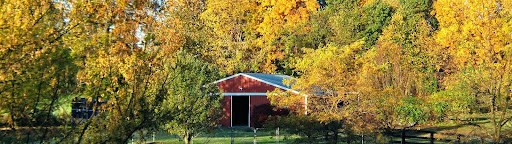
[413,136]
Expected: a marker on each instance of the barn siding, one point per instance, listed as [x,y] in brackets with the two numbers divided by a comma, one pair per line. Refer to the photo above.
[226,110]
[249,85]
[256,101]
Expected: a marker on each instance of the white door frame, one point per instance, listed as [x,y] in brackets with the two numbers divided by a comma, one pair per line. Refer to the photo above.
[231,111]
[249,116]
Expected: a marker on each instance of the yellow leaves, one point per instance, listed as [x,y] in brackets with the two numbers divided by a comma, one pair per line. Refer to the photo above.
[473,31]
[276,16]
[331,68]
[286,99]
[225,16]
[284,13]
[254,31]
[330,76]
[476,35]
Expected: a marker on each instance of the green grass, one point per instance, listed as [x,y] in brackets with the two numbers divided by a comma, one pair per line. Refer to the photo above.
[473,125]
[246,136]
[476,125]
[223,135]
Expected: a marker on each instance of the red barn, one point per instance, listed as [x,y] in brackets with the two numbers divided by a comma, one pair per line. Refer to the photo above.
[244,91]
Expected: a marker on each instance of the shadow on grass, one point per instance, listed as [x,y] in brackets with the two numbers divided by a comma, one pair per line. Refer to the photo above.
[224,135]
[457,126]
[442,133]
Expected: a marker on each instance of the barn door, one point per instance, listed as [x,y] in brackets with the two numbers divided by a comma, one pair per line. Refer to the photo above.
[240,110]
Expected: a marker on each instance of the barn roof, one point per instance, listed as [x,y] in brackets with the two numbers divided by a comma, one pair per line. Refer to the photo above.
[271,79]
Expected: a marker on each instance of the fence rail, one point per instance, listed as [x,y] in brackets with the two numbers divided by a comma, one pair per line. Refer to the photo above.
[413,134]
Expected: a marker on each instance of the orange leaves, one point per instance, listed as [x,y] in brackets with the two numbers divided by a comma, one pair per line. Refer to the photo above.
[277,16]
[284,14]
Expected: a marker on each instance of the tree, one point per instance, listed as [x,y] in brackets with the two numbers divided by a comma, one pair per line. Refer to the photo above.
[476,36]
[124,60]
[345,21]
[36,67]
[256,35]
[183,17]
[375,17]
[273,19]
[381,85]
[329,79]
[404,74]
[193,103]
[228,22]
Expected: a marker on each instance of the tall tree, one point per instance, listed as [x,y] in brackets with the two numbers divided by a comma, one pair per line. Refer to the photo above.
[250,35]
[405,73]
[276,19]
[376,16]
[183,17]
[344,21]
[124,60]
[330,80]
[229,24]
[36,69]
[379,85]
[476,37]
[193,103]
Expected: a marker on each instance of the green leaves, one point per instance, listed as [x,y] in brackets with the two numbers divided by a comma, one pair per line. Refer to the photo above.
[411,111]
[36,67]
[376,17]
[193,103]
[155,60]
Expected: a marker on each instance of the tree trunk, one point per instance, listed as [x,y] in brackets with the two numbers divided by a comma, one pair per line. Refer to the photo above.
[493,118]
[188,138]
[335,138]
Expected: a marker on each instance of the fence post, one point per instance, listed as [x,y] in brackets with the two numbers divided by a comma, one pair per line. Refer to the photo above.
[362,138]
[403,137]
[254,141]
[232,138]
[431,137]
[277,134]
[153,137]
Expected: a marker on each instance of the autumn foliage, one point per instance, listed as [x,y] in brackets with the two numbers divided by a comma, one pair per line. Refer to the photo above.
[365,66]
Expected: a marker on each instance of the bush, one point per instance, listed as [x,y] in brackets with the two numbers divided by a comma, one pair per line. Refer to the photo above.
[309,128]
[265,112]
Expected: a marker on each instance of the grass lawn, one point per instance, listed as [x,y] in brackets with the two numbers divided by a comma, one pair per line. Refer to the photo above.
[472,125]
[223,135]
